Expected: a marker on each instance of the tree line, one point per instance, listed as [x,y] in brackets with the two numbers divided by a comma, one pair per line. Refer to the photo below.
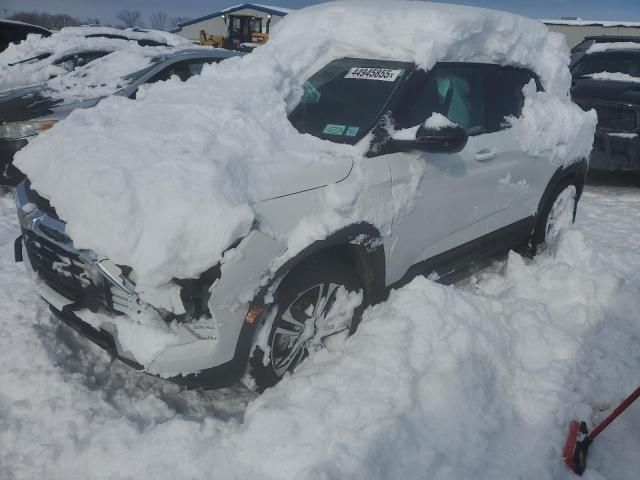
[127,19]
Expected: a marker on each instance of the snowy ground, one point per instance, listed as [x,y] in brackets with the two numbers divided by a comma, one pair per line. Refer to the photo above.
[472,381]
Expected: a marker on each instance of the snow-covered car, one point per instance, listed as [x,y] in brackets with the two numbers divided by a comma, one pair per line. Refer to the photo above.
[257,211]
[37,59]
[580,50]
[27,111]
[15,32]
[607,79]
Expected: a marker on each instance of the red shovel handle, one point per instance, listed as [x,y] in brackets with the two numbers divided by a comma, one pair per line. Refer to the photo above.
[615,414]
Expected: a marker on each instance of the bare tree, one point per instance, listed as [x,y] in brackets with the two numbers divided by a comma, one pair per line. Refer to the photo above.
[130,18]
[159,21]
[46,20]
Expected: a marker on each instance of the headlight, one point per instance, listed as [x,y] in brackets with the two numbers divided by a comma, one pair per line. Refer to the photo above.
[24,129]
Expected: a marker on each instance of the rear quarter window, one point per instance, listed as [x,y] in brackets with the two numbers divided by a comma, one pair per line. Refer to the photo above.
[504,95]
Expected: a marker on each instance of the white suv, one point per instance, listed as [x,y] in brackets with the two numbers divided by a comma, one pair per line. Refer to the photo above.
[442,162]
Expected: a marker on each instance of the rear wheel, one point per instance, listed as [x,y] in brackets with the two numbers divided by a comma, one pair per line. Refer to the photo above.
[314,303]
[557,215]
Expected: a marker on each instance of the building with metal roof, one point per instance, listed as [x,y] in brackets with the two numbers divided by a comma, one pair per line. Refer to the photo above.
[237,24]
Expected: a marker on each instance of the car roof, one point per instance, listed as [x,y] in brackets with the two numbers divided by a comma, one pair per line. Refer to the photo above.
[26,26]
[614,38]
[617,50]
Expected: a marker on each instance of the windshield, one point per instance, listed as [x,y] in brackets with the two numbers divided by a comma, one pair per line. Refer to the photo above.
[343,101]
[139,73]
[627,63]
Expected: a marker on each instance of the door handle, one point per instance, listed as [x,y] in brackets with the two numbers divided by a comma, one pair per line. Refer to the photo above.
[486,155]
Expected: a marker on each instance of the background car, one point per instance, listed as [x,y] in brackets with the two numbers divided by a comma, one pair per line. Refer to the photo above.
[580,50]
[15,32]
[26,112]
[36,60]
[608,81]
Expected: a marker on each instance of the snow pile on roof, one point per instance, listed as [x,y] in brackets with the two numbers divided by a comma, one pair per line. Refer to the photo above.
[475,382]
[605,47]
[176,187]
[65,42]
[160,36]
[614,77]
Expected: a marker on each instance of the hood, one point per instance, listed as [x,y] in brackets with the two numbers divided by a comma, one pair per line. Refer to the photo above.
[36,102]
[589,89]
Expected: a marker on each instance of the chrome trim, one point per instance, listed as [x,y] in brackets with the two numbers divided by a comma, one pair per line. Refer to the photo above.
[124,297]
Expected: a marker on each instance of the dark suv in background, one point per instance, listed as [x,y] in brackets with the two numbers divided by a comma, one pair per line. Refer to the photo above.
[580,50]
[15,32]
[609,82]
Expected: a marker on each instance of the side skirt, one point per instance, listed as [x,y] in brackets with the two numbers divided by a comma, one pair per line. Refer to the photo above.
[450,266]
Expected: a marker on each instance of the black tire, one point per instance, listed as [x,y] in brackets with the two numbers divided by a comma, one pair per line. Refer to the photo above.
[540,233]
[300,287]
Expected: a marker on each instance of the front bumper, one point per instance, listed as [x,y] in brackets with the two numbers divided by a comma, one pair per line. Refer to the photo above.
[221,376]
[10,175]
[615,152]
[76,283]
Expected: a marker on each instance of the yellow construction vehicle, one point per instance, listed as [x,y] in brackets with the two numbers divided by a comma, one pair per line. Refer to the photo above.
[212,40]
[243,33]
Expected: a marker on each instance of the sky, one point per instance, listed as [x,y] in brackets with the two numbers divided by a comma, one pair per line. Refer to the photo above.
[107,10]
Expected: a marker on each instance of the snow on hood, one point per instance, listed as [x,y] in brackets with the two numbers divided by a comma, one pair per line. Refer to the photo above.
[106,75]
[67,41]
[165,183]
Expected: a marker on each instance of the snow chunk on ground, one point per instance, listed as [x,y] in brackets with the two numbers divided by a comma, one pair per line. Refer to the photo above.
[67,41]
[190,159]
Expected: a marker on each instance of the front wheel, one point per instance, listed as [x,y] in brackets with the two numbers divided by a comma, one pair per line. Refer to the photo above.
[315,303]
[557,215]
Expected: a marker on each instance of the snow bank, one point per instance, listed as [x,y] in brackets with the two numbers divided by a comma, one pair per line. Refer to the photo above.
[215,145]
[476,381]
[67,41]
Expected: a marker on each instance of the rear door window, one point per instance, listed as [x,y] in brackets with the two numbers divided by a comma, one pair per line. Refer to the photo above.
[609,62]
[504,97]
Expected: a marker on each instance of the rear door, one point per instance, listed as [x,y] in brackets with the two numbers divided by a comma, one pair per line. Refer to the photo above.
[520,177]
[443,201]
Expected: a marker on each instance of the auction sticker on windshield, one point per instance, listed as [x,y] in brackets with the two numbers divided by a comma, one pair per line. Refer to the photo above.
[384,74]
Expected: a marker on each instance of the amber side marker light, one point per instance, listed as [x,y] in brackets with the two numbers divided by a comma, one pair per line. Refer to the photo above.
[253,313]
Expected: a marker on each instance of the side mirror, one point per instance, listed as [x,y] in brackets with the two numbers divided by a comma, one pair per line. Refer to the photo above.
[447,139]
